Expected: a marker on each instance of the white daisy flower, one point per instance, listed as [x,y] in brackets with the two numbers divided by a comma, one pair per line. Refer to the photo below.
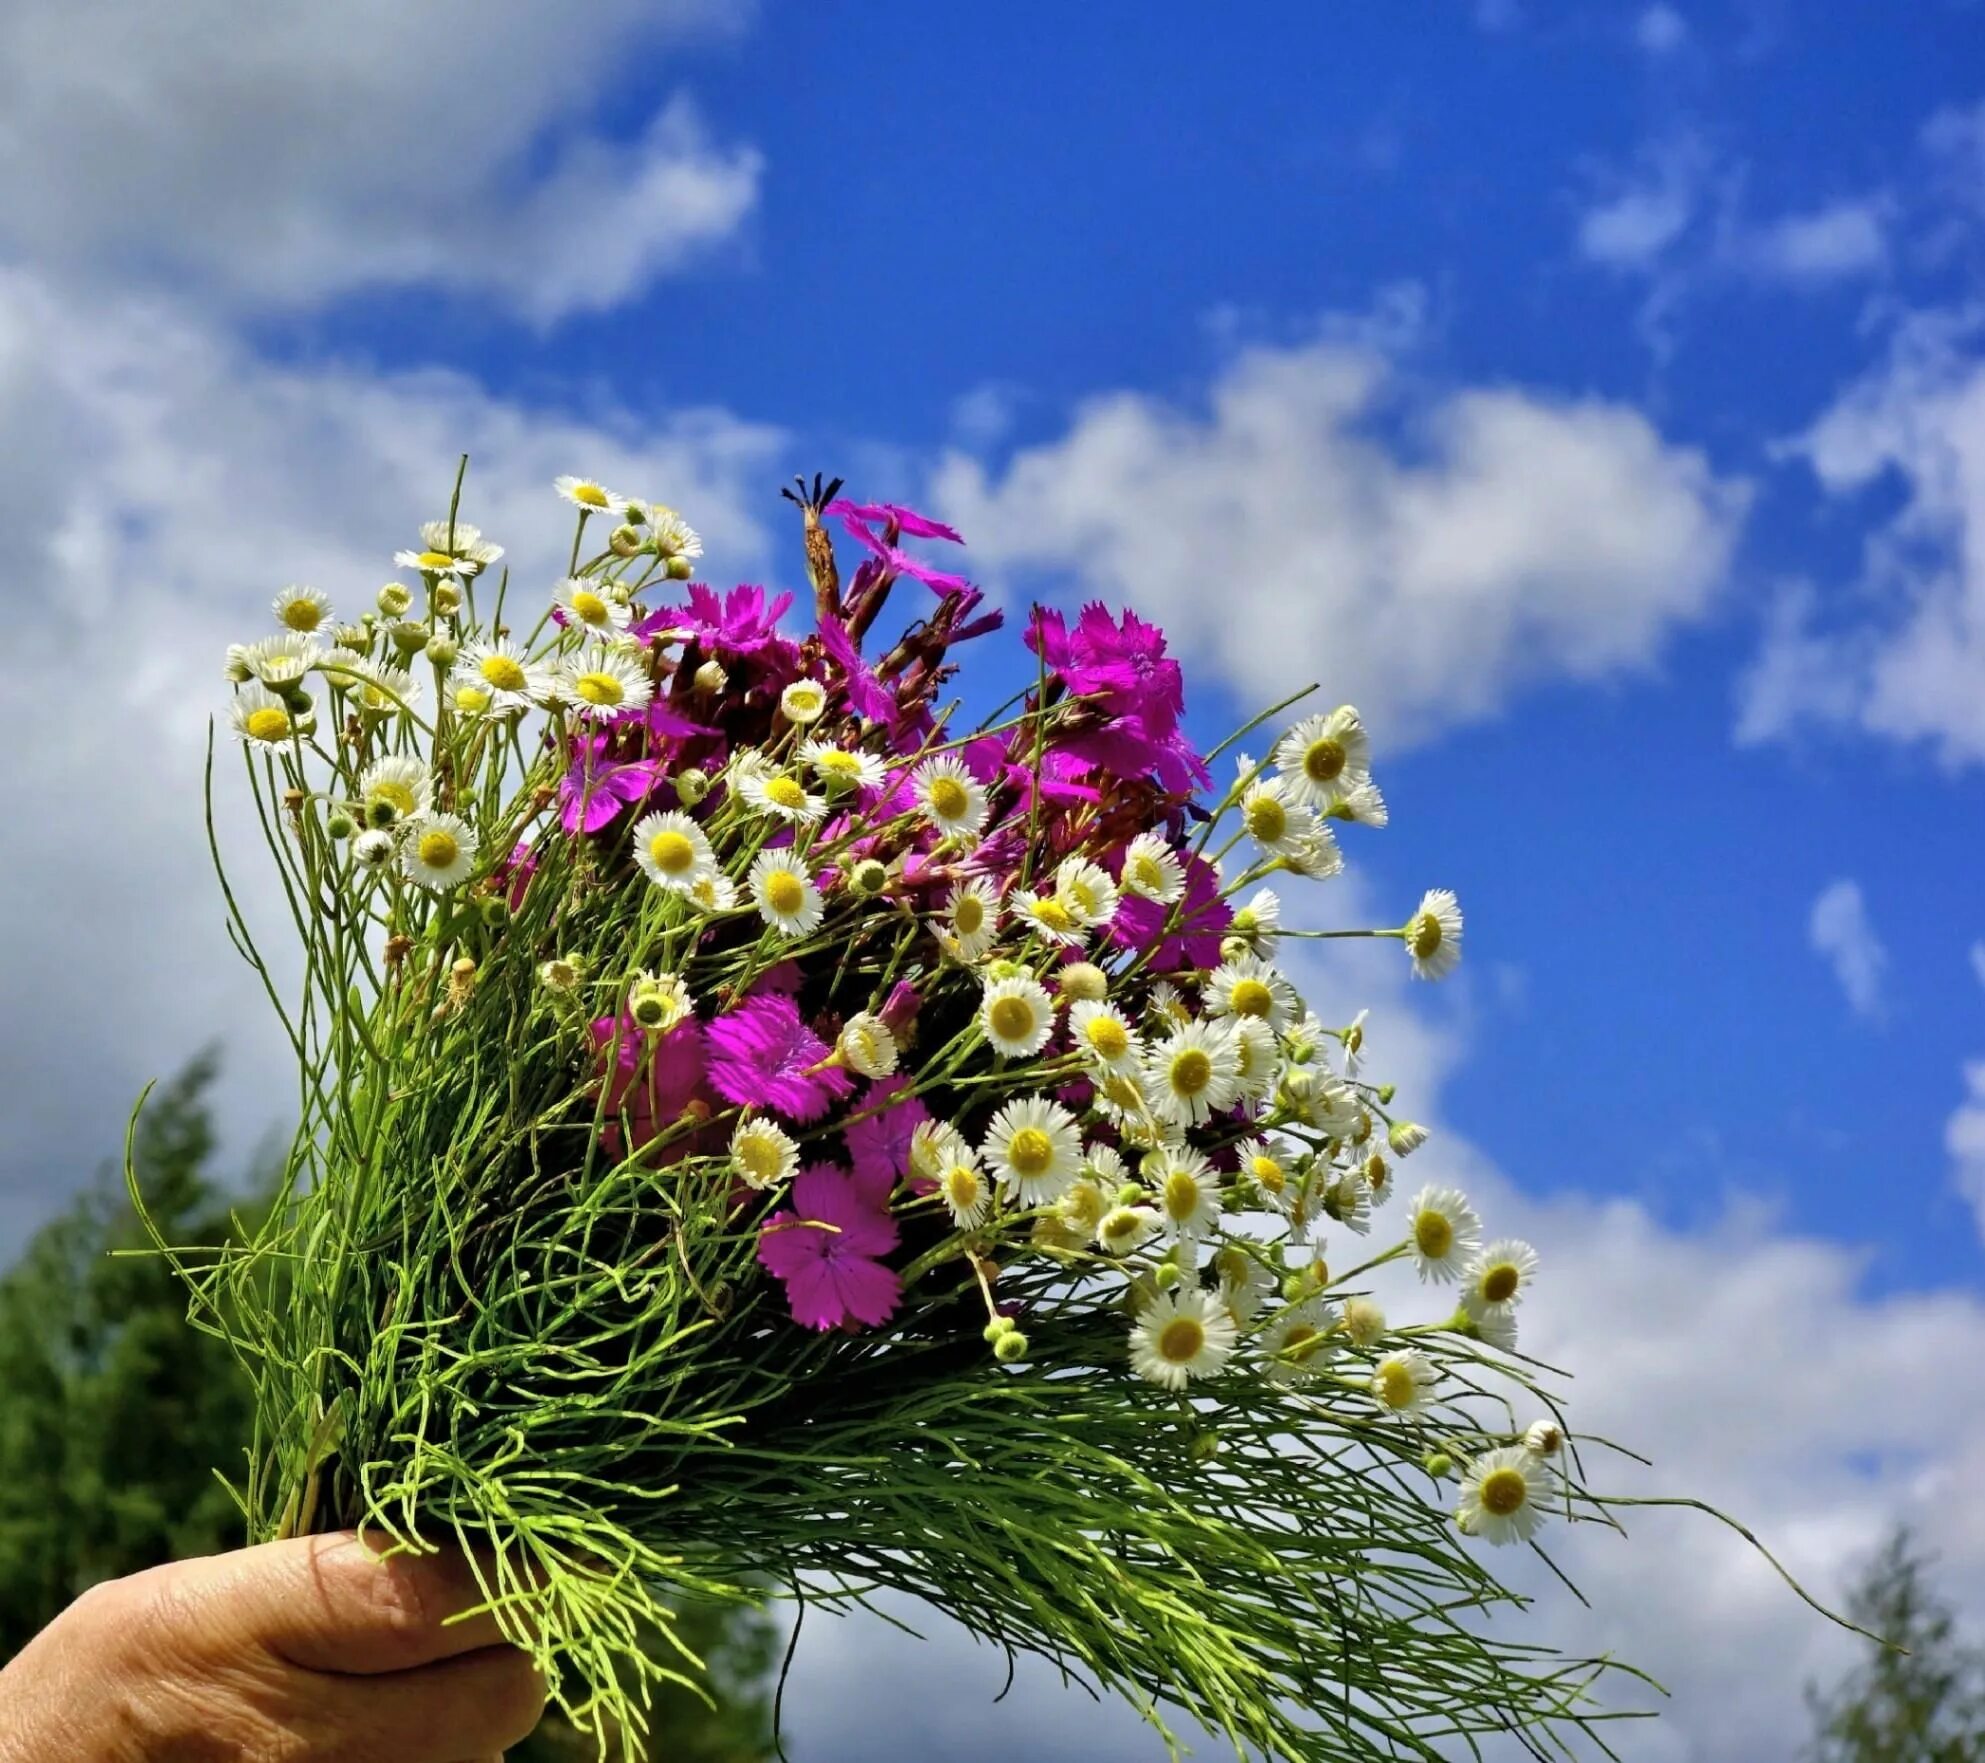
[763,1154]
[843,765]
[1125,1229]
[1250,986]
[437,850]
[1257,1058]
[782,795]
[1082,1207]
[1188,1189]
[933,1144]
[588,607]
[672,850]
[302,610]
[373,849]
[1324,756]
[1047,917]
[952,800]
[1086,892]
[1498,1277]
[658,1001]
[471,552]
[1104,1034]
[1400,1381]
[972,915]
[1349,1202]
[964,1188]
[1433,935]
[1503,1495]
[1378,1177]
[784,893]
[1445,1232]
[393,789]
[672,536]
[803,702]
[1017,1015]
[604,683]
[1121,1100]
[1315,855]
[1244,1284]
[713,892]
[1272,1169]
[1405,1137]
[1152,870]
[866,1046]
[433,562]
[1192,1074]
[281,660]
[1104,1165]
[261,718]
[1276,822]
[1296,1345]
[593,498]
[1362,804]
[1496,1328]
[1544,1438]
[1033,1146]
[1180,1336]
[1259,921]
[1364,1322]
[498,670]
[1166,1006]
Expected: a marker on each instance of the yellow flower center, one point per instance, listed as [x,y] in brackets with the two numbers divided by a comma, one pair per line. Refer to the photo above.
[1251,997]
[1324,760]
[1031,1152]
[504,672]
[1108,1036]
[783,792]
[438,849]
[590,496]
[270,723]
[837,762]
[1192,1071]
[1180,1340]
[671,852]
[785,893]
[1123,1091]
[962,1187]
[604,689]
[591,607]
[1083,1205]
[1301,1343]
[1433,1235]
[758,1157]
[392,790]
[968,915]
[1012,1018]
[1504,1492]
[806,700]
[1396,1385]
[1377,1174]
[1053,915]
[1424,934]
[1500,1281]
[1148,873]
[1181,1195]
[1088,900]
[472,700]
[949,799]
[1121,1225]
[1268,1175]
[435,560]
[302,615]
[1267,820]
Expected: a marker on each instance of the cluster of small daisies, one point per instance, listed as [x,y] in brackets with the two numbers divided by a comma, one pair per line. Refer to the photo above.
[1023,988]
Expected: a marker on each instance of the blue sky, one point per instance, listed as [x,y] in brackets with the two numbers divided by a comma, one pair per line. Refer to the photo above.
[1595,394]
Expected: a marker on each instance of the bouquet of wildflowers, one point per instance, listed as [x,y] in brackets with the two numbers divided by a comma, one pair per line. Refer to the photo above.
[759,1125]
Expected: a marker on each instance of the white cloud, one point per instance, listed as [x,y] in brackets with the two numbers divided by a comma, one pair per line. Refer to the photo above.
[1844,239]
[1842,933]
[1978,961]
[284,155]
[1964,1134]
[162,483]
[1902,656]
[1635,227]
[1661,30]
[1280,534]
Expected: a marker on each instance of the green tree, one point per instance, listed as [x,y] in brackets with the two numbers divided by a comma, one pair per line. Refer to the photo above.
[1919,1700]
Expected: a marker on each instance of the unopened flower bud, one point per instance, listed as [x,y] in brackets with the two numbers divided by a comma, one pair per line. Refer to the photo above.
[355,636]
[1166,1275]
[1011,1347]
[445,598]
[1405,1137]
[680,569]
[868,876]
[340,825]
[1544,1438]
[999,1325]
[562,973]
[1438,1464]
[373,849]
[1205,1446]
[1084,981]
[691,786]
[394,599]
[494,910]
[462,979]
[442,649]
[1233,948]
[295,699]
[711,677]
[1002,969]
[625,541]
[239,668]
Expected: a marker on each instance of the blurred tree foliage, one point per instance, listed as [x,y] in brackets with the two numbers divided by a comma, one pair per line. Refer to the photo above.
[115,1413]
[1924,1704]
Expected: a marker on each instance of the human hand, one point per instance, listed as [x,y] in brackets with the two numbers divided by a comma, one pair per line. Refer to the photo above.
[306,1651]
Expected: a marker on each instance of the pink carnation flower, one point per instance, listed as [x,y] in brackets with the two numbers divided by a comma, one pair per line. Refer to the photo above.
[763,1056]
[832,1275]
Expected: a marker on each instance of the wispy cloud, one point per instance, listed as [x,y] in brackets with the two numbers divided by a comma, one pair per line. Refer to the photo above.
[1843,935]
